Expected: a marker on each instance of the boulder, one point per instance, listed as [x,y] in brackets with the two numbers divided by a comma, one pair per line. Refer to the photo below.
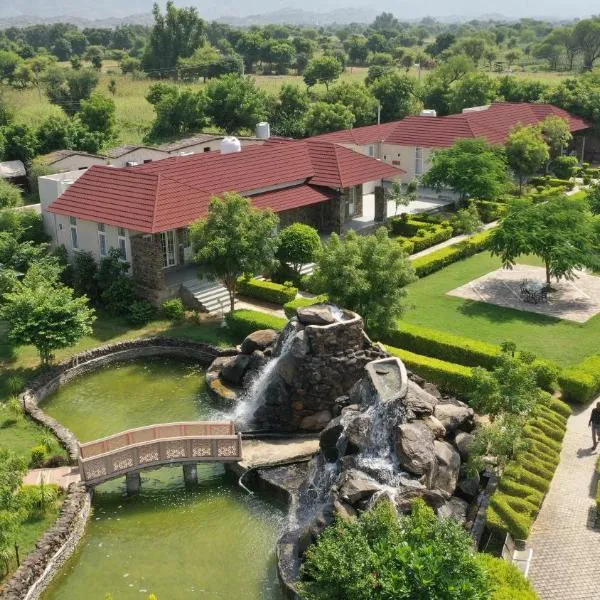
[329,438]
[448,467]
[357,486]
[463,442]
[259,340]
[439,431]
[418,403]
[358,432]
[216,387]
[409,489]
[257,360]
[454,416]
[344,510]
[233,372]
[315,422]
[415,447]
[455,508]
[468,485]
[317,314]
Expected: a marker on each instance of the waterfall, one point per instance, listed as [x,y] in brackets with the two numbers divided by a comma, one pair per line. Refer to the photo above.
[255,395]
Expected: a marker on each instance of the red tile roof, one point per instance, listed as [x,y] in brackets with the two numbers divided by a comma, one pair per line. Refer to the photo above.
[176,191]
[493,123]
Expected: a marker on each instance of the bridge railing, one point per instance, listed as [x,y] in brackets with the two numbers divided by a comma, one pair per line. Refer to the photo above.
[168,443]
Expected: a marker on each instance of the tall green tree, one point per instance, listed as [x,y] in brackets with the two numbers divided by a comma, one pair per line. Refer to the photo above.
[98,115]
[357,98]
[45,313]
[526,152]
[396,94]
[298,244]
[587,39]
[287,117]
[471,167]
[67,87]
[235,103]
[367,274]
[178,113]
[556,133]
[380,556]
[325,70]
[175,34]
[474,89]
[234,240]
[323,117]
[560,231]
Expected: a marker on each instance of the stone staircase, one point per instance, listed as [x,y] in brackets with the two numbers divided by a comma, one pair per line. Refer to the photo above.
[208,296]
[307,269]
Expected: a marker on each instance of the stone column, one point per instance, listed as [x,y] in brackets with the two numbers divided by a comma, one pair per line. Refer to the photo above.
[190,474]
[133,483]
[380,204]
[147,261]
[358,200]
[337,213]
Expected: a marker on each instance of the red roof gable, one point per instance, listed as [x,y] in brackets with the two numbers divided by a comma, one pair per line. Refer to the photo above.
[174,192]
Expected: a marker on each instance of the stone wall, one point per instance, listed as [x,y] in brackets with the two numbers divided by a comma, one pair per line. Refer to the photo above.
[88,361]
[313,215]
[52,550]
[147,262]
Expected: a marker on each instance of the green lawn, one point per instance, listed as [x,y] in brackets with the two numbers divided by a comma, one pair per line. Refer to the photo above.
[19,365]
[565,342]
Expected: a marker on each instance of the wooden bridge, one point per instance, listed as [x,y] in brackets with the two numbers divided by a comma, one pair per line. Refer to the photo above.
[129,452]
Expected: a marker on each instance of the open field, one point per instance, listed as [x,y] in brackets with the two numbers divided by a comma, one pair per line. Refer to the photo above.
[564,342]
[135,114]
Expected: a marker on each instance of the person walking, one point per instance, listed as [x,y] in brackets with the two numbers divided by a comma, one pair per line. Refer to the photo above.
[595,424]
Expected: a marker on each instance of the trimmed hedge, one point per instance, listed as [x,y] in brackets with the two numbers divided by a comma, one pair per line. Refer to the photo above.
[268,291]
[445,346]
[407,227]
[290,308]
[507,581]
[490,211]
[446,256]
[450,377]
[525,481]
[416,235]
[243,322]
[581,383]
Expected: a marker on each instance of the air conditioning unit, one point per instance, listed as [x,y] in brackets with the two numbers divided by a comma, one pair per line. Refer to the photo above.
[131,163]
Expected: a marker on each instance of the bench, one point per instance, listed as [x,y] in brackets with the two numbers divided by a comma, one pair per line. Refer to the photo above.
[520,558]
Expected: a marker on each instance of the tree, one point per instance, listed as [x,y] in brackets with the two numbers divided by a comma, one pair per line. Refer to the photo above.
[396,94]
[9,62]
[356,46]
[474,89]
[45,313]
[67,88]
[95,54]
[280,55]
[593,199]
[234,240]
[130,64]
[62,49]
[112,87]
[467,220]
[560,231]
[200,64]
[564,167]
[526,152]
[357,98]
[586,36]
[379,556]
[10,195]
[98,115]
[250,47]
[471,167]
[235,103]
[176,34]
[323,117]
[367,274]
[556,133]
[20,142]
[179,112]
[402,195]
[325,69]
[288,115]
[442,42]
[298,244]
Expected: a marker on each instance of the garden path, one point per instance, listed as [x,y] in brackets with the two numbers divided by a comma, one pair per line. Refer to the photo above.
[61,476]
[565,540]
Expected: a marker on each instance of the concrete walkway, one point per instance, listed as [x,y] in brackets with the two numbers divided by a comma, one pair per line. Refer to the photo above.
[565,541]
[61,476]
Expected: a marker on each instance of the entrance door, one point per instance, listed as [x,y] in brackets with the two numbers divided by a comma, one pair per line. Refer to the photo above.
[167,240]
[351,202]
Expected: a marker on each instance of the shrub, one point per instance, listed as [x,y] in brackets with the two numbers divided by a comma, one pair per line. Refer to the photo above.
[509,514]
[450,377]
[521,474]
[291,307]
[243,322]
[546,374]
[418,236]
[581,383]
[298,244]
[507,581]
[10,195]
[520,490]
[564,167]
[37,456]
[445,346]
[268,291]
[34,499]
[140,312]
[490,211]
[15,384]
[562,408]
[407,227]
[173,309]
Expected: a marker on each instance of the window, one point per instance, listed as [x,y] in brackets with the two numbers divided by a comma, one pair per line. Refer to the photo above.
[74,240]
[122,233]
[102,239]
[371,150]
[418,161]
[206,148]
[167,241]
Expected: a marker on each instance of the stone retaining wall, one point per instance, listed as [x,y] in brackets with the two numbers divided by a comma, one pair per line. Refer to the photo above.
[85,362]
[52,550]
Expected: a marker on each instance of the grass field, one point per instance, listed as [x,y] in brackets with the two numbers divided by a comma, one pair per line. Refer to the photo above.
[562,341]
[135,114]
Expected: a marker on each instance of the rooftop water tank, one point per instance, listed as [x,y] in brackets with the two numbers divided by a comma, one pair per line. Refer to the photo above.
[263,130]
[429,112]
[230,144]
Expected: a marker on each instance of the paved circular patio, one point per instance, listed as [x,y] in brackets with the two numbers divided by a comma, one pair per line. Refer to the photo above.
[577,300]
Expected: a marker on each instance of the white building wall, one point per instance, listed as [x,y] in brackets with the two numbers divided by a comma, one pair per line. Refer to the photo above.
[76,162]
[404,157]
[139,155]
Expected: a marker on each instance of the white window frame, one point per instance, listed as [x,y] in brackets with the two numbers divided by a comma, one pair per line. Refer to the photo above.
[122,238]
[418,161]
[102,243]
[372,150]
[167,242]
[74,233]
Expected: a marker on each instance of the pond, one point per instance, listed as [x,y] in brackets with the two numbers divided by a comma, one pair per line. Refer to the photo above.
[211,541]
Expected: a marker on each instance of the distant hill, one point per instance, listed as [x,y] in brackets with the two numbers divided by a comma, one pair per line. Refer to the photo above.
[304,17]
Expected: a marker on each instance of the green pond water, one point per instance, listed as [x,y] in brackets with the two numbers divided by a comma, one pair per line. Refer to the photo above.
[212,541]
